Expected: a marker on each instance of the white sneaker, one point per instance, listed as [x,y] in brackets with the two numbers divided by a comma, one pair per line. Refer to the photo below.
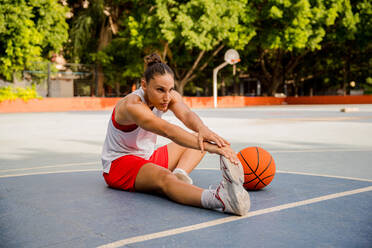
[231,193]
[182,175]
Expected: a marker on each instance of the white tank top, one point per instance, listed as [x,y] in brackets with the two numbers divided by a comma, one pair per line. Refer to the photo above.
[118,143]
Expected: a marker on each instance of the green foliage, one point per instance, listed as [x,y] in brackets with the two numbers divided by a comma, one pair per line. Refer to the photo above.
[84,32]
[296,25]
[289,30]
[278,40]
[203,24]
[30,31]
[138,35]
[11,93]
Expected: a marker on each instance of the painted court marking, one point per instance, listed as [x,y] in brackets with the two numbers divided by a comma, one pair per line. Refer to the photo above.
[324,175]
[279,171]
[344,118]
[97,162]
[48,166]
[48,172]
[207,224]
[307,174]
[321,150]
[99,169]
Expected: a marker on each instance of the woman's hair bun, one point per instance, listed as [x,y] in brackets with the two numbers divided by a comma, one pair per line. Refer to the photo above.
[152,59]
[155,66]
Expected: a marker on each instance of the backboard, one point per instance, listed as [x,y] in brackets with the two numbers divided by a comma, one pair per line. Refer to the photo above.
[232,56]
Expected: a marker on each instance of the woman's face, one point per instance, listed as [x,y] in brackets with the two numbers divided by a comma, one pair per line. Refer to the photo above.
[158,91]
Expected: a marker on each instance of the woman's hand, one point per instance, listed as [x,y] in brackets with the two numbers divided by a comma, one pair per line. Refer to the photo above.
[205,134]
[227,152]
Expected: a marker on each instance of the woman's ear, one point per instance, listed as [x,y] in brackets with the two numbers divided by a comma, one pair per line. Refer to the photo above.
[143,84]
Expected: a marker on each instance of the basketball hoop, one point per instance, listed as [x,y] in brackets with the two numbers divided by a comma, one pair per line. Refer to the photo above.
[231,57]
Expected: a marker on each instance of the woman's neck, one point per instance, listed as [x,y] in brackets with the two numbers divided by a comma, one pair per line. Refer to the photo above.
[147,101]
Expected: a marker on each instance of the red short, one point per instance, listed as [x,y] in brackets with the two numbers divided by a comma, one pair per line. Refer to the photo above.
[124,170]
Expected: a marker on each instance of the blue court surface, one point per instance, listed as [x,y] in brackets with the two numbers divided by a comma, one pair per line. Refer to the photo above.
[52,193]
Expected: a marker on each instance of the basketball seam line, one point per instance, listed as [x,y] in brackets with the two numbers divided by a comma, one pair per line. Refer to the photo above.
[258,160]
[253,172]
[258,165]
[251,167]
[271,159]
[262,179]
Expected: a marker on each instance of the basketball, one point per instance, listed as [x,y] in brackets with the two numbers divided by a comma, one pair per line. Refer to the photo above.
[259,167]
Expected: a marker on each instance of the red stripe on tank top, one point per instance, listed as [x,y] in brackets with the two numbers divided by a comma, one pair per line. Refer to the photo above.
[124,128]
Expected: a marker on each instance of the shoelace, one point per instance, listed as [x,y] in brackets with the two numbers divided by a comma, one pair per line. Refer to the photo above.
[213,187]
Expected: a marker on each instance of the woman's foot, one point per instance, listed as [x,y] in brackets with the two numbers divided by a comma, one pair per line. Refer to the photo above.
[231,193]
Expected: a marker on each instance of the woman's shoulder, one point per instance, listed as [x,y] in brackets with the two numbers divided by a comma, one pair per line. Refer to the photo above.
[127,101]
[125,106]
[176,96]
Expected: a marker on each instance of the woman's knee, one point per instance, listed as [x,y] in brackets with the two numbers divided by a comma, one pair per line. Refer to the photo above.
[166,180]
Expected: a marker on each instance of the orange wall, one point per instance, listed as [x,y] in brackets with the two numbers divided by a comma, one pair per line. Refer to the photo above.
[58,104]
[231,101]
[97,103]
[330,99]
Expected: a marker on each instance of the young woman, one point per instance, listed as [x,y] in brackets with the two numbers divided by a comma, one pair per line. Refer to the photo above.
[130,161]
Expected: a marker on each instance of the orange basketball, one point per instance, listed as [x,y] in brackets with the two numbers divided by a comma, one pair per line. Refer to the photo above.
[259,167]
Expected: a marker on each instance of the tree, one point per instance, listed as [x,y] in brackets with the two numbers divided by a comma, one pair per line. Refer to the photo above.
[288,30]
[196,31]
[187,35]
[345,52]
[30,31]
[137,36]
[350,43]
[278,39]
[91,32]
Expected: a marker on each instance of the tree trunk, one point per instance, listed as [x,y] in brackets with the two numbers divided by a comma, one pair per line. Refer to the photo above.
[100,80]
[179,87]
[345,71]
[181,81]
[236,84]
[223,88]
[105,36]
[278,72]
[117,89]
[275,82]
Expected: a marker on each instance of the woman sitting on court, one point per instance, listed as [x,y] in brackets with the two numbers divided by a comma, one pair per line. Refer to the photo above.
[130,161]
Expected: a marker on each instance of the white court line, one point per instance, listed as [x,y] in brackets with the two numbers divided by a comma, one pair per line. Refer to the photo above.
[99,169]
[307,174]
[48,166]
[272,151]
[47,172]
[207,224]
[324,175]
[345,118]
[321,150]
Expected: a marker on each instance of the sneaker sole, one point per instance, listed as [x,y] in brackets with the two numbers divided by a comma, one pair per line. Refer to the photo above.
[231,172]
[240,200]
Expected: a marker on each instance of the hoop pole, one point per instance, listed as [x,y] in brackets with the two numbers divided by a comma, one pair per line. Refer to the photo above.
[215,71]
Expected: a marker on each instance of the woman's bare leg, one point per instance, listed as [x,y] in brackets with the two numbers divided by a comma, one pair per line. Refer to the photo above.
[230,196]
[183,158]
[153,178]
